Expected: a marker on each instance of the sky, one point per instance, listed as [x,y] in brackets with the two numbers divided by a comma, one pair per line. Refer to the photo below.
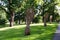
[2,3]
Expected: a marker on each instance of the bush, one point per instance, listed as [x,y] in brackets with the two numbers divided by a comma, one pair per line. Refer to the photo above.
[2,17]
[2,21]
[36,20]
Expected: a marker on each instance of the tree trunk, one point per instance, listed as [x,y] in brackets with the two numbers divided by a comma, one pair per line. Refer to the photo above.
[45,22]
[50,18]
[19,21]
[29,17]
[45,18]
[11,11]
[27,30]
[12,19]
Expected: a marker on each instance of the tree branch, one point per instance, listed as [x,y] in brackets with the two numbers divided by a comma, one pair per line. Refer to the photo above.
[4,9]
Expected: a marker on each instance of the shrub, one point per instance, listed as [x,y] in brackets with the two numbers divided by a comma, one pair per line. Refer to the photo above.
[2,21]
[36,20]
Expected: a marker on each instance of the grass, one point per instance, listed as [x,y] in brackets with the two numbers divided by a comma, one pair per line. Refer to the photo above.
[38,32]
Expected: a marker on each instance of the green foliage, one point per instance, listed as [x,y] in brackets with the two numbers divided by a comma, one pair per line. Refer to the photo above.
[36,19]
[30,3]
[2,21]
[57,1]
[2,17]
[49,7]
[14,5]
[19,15]
[17,6]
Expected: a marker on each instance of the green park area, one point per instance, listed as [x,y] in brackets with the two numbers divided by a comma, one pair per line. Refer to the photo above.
[29,19]
[38,32]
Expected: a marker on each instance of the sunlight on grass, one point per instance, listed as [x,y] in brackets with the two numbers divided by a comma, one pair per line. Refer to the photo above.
[6,27]
[38,32]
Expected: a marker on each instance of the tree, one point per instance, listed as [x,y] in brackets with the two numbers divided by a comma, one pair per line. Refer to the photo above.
[51,18]
[10,8]
[19,16]
[36,19]
[29,17]
[49,7]
[30,4]
[2,17]
[45,18]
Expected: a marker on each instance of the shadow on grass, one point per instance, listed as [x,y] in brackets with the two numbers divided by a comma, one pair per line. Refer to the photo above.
[44,33]
[37,33]
[7,25]
[11,33]
[45,37]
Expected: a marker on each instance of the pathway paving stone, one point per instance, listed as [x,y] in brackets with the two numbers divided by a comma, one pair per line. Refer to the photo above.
[57,33]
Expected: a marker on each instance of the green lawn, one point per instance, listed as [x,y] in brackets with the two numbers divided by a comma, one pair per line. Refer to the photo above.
[38,32]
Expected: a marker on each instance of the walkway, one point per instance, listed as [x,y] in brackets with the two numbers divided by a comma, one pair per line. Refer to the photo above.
[57,33]
[22,26]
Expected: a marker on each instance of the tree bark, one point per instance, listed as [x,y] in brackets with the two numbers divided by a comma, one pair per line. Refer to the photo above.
[29,17]
[45,22]
[11,11]
[12,19]
[19,21]
[50,18]
[45,19]
[27,30]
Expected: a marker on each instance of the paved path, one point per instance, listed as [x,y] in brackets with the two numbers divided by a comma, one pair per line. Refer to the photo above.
[21,26]
[57,33]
